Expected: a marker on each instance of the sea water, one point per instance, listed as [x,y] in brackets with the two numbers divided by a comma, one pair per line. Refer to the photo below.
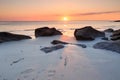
[66,27]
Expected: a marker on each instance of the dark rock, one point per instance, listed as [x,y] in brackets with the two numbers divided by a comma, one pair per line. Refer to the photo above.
[1,40]
[81,45]
[110,45]
[105,38]
[54,42]
[52,48]
[115,38]
[58,42]
[117,21]
[87,33]
[45,31]
[109,30]
[115,35]
[5,36]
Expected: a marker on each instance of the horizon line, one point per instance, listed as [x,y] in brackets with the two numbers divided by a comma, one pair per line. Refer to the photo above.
[51,20]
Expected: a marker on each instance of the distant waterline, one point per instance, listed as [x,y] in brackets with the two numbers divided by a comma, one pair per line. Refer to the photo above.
[67,27]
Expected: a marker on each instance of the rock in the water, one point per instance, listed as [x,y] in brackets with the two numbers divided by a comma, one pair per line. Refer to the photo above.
[117,21]
[52,48]
[116,32]
[54,42]
[45,31]
[110,45]
[109,30]
[87,33]
[5,36]
[116,35]
[81,45]
[115,38]
[105,38]
[1,40]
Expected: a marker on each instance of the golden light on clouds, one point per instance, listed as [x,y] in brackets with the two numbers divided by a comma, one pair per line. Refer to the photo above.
[62,10]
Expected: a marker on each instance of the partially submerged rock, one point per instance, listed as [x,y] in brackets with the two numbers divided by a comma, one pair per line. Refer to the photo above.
[6,36]
[105,38]
[54,42]
[45,31]
[110,45]
[87,33]
[115,38]
[116,35]
[116,32]
[109,30]
[81,45]
[1,40]
[117,21]
[52,48]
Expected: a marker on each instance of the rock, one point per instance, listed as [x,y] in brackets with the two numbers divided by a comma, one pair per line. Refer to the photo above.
[58,42]
[109,30]
[117,21]
[6,36]
[54,42]
[45,31]
[105,38]
[87,33]
[1,40]
[52,48]
[81,45]
[115,35]
[115,38]
[110,45]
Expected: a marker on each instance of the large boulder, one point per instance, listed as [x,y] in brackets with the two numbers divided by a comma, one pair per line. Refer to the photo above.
[6,36]
[110,45]
[115,35]
[45,31]
[87,33]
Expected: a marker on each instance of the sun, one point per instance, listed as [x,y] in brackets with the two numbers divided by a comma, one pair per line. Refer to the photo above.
[65,18]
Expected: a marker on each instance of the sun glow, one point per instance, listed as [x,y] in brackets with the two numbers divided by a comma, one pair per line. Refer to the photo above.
[65,18]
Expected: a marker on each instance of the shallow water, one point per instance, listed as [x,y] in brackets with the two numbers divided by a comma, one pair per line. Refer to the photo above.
[67,28]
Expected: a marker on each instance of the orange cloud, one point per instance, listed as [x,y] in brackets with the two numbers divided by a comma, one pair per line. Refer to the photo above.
[95,13]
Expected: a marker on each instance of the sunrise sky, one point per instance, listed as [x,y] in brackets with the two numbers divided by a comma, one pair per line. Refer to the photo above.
[45,10]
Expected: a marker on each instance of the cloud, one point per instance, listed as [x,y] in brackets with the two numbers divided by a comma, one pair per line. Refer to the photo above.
[95,13]
[84,14]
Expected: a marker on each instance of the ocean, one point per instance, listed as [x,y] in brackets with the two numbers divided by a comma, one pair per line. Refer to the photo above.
[67,27]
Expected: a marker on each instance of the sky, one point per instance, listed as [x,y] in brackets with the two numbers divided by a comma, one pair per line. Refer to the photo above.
[45,10]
